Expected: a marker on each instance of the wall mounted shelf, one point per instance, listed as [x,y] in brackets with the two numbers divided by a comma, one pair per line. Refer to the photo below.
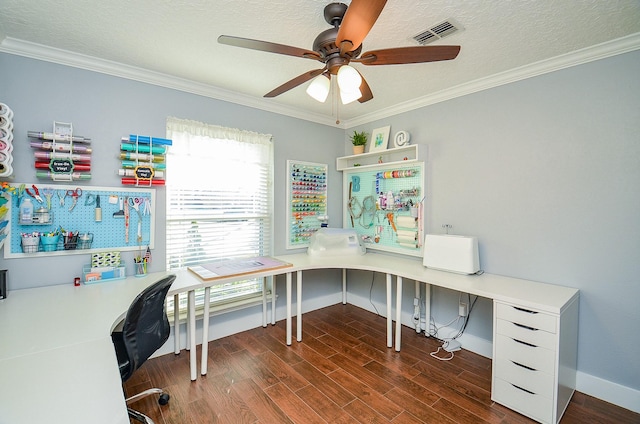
[403,154]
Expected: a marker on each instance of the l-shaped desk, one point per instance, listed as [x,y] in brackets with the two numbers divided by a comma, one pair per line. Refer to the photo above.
[57,358]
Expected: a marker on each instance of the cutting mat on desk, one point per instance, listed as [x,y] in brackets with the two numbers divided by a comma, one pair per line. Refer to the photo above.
[236,267]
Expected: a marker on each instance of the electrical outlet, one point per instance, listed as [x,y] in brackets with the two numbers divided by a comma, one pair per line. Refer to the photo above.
[463,309]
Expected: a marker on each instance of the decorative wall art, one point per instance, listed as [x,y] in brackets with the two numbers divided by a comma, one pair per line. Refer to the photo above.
[379,139]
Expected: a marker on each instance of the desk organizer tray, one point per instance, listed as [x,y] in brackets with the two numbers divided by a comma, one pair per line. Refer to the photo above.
[102,274]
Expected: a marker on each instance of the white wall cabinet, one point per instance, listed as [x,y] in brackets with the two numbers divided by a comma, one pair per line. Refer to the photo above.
[534,359]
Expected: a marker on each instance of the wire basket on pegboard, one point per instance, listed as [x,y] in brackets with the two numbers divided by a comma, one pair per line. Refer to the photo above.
[30,242]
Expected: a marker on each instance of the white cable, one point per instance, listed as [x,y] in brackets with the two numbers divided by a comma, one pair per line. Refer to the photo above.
[435,355]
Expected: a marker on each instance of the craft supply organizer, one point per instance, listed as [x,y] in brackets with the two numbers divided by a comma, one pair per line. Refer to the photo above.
[61,155]
[71,219]
[384,204]
[143,160]
[306,201]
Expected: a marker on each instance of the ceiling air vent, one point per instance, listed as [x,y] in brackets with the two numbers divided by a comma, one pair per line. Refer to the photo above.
[438,31]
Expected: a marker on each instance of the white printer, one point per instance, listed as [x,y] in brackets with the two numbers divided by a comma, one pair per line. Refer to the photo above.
[335,242]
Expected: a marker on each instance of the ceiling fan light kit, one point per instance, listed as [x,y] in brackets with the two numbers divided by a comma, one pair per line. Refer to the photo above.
[319,88]
[338,46]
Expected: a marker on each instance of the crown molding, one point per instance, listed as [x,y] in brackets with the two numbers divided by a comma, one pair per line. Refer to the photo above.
[91,63]
[579,57]
[64,57]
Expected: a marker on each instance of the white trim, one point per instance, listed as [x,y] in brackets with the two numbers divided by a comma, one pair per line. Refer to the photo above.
[91,63]
[64,57]
[625,397]
[579,57]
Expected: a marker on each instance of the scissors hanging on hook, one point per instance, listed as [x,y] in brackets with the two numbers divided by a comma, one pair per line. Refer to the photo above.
[74,194]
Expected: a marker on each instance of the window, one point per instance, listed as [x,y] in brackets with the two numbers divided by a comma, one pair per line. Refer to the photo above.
[219,201]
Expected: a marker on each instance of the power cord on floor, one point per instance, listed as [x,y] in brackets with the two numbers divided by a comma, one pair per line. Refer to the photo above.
[450,344]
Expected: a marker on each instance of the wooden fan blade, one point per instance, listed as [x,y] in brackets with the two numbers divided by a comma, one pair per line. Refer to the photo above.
[365,90]
[357,22]
[267,46]
[300,79]
[402,55]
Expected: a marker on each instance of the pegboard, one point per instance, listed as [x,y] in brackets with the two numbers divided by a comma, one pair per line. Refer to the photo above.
[385,206]
[110,233]
[306,201]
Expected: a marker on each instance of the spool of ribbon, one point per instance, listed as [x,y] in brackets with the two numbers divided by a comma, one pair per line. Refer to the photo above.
[406,222]
[6,111]
[6,123]
[407,234]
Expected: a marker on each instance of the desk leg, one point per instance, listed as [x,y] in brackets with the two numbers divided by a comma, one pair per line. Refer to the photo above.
[398,311]
[273,300]
[192,338]
[205,331]
[288,309]
[389,320]
[299,305]
[427,308]
[344,286]
[176,323]
[264,300]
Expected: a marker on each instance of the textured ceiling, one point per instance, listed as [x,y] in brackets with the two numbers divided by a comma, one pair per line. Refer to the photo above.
[178,38]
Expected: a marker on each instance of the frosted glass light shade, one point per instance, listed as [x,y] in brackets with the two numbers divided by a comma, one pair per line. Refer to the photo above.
[350,96]
[348,79]
[319,88]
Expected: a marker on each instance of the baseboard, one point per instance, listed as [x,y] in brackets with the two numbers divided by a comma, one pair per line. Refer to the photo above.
[625,397]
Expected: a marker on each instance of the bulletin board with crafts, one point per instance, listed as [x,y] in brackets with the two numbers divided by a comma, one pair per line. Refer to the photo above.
[385,206]
[306,201]
[48,219]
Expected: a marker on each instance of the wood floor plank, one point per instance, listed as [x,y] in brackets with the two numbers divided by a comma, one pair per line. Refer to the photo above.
[362,413]
[282,371]
[366,394]
[341,372]
[334,391]
[259,402]
[322,405]
[366,376]
[295,408]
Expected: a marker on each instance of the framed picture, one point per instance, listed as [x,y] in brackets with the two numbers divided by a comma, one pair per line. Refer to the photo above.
[379,139]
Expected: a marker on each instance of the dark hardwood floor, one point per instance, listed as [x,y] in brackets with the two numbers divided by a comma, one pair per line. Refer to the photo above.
[341,372]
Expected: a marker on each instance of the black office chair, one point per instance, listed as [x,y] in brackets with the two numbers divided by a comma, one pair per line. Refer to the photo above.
[144,330]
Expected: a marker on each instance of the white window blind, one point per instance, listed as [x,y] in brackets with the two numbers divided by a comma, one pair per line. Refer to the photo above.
[219,200]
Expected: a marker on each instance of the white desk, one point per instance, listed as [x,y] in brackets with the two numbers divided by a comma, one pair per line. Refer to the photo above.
[534,323]
[57,361]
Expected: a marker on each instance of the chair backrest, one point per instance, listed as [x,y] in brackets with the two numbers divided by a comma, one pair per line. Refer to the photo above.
[146,326]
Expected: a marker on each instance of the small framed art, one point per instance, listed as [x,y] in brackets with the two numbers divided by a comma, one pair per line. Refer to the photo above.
[379,139]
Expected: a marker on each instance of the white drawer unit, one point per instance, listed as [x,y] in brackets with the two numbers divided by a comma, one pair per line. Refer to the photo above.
[534,359]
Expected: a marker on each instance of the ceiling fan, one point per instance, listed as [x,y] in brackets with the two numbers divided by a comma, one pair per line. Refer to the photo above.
[338,46]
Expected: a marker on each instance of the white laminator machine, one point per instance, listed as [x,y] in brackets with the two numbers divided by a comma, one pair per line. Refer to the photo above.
[335,242]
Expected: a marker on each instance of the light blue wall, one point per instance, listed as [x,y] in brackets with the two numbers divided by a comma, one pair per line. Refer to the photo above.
[105,108]
[546,173]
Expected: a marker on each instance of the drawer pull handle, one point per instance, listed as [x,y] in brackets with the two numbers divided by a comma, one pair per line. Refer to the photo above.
[524,310]
[524,343]
[524,366]
[524,390]
[526,327]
